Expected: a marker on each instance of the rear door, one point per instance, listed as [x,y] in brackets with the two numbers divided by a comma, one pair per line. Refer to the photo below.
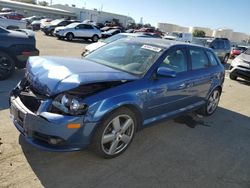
[88,30]
[200,73]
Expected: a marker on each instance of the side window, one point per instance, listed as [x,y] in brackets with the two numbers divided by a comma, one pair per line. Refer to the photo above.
[80,26]
[88,27]
[221,44]
[212,59]
[215,44]
[62,23]
[198,59]
[176,60]
[227,44]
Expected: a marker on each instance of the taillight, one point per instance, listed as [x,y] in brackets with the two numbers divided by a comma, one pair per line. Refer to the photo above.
[26,53]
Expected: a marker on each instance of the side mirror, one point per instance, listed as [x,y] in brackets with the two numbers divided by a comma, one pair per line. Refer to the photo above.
[166,72]
[212,47]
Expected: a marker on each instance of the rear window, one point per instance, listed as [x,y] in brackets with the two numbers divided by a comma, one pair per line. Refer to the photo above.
[199,59]
[247,51]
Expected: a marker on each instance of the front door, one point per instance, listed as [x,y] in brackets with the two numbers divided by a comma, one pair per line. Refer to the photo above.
[167,95]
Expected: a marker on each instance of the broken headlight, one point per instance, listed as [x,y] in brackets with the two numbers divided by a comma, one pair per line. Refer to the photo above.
[69,104]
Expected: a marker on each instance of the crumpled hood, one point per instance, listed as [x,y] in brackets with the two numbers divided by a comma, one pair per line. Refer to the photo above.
[52,75]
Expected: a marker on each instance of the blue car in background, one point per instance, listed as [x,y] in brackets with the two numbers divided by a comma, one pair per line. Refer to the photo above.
[67,104]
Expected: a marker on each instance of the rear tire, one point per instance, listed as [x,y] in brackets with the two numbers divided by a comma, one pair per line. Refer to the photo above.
[95,38]
[52,32]
[225,59]
[70,36]
[115,133]
[211,104]
[7,66]
[232,77]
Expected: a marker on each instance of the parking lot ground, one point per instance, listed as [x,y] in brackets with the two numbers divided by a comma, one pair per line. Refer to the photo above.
[185,152]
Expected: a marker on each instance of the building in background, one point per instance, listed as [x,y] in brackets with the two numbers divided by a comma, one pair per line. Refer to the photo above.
[169,28]
[236,37]
[95,15]
[223,32]
[63,11]
[36,10]
[208,31]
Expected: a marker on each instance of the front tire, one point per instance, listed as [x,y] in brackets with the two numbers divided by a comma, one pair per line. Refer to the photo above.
[211,104]
[95,38]
[7,66]
[70,36]
[225,59]
[115,133]
[232,77]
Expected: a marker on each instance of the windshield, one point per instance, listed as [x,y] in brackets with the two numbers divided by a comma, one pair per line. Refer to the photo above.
[114,38]
[2,30]
[72,25]
[247,51]
[55,22]
[134,58]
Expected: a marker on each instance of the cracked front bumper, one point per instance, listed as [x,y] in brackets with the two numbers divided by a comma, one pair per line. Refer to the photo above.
[40,129]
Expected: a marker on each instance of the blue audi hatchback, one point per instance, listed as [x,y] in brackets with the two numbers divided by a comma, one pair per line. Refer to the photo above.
[65,104]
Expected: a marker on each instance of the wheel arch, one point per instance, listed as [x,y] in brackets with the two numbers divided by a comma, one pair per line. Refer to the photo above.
[219,87]
[132,107]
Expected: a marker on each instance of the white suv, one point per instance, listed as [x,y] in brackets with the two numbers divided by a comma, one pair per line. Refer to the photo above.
[78,30]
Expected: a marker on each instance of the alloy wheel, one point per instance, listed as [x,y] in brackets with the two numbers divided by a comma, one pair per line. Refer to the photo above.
[213,101]
[117,134]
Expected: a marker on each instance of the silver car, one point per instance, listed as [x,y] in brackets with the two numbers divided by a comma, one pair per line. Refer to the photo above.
[240,66]
[78,30]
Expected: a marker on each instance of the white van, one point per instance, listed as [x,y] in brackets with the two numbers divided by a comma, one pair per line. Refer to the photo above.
[179,36]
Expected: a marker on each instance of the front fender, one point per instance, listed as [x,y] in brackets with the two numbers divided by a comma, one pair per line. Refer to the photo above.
[100,109]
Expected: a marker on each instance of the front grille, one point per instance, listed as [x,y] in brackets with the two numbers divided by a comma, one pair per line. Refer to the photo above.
[29,97]
[244,67]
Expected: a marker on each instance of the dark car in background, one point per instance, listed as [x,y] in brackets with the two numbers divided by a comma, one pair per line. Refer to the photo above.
[15,48]
[103,99]
[111,32]
[49,29]
[221,46]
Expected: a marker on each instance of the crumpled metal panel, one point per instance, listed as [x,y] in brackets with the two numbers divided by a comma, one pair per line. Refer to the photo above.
[52,75]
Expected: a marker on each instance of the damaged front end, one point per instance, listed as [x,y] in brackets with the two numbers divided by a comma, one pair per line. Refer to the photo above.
[56,122]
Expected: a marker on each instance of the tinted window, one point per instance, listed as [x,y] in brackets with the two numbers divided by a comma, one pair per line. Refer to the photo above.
[63,23]
[176,60]
[247,51]
[198,59]
[212,58]
[227,44]
[215,44]
[221,44]
[88,27]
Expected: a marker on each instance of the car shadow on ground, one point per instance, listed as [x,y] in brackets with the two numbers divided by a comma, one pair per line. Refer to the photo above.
[242,81]
[168,154]
[82,41]
[7,85]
